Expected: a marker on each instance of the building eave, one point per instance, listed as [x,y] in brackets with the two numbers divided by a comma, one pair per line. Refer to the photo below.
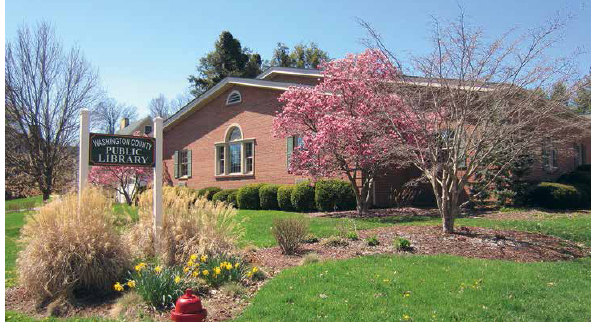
[315,73]
[215,91]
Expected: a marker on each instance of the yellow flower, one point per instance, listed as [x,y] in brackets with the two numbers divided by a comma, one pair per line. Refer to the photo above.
[195,273]
[131,283]
[406,317]
[193,257]
[205,272]
[203,258]
[118,287]
[190,263]
[158,269]
[255,269]
[236,265]
[185,269]
[228,266]
[249,274]
[217,270]
[177,279]
[140,266]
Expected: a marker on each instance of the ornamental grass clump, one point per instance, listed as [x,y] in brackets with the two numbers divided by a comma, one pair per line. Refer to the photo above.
[289,233]
[188,227]
[68,249]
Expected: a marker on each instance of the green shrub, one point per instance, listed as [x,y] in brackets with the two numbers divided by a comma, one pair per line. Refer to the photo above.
[402,244]
[302,196]
[373,241]
[334,241]
[556,196]
[352,235]
[334,195]
[310,239]
[234,290]
[289,233]
[268,196]
[208,192]
[581,180]
[311,258]
[584,167]
[223,195]
[248,196]
[284,197]
[69,249]
[233,197]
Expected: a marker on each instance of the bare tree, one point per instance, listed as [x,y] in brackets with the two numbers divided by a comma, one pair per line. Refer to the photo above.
[180,101]
[107,113]
[160,106]
[45,89]
[477,104]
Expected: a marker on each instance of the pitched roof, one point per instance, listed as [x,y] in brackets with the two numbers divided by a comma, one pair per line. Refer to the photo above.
[215,91]
[290,71]
[134,126]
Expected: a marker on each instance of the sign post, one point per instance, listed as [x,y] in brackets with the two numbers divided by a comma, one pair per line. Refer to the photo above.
[83,153]
[158,178]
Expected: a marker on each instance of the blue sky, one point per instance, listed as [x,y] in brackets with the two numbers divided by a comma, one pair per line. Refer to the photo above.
[146,48]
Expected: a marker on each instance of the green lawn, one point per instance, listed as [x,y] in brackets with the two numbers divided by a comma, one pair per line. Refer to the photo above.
[439,288]
[23,203]
[13,222]
[257,224]
[18,317]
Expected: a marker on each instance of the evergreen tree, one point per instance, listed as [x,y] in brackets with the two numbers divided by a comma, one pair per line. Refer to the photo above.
[582,98]
[302,56]
[228,58]
[560,93]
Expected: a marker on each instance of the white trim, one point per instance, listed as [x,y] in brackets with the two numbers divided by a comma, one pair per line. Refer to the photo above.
[290,71]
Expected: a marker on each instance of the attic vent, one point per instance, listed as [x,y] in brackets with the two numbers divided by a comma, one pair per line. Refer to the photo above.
[234,98]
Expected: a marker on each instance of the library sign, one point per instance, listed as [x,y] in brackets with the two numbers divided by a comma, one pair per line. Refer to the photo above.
[118,150]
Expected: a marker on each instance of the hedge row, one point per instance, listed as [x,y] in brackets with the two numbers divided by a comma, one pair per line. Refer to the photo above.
[572,190]
[325,195]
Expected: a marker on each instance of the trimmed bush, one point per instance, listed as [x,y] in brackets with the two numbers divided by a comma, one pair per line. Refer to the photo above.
[284,197]
[208,192]
[268,196]
[302,196]
[289,233]
[581,180]
[334,195]
[248,196]
[584,167]
[68,250]
[223,195]
[556,196]
[232,197]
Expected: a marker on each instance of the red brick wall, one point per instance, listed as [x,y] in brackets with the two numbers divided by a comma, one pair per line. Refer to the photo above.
[565,160]
[199,131]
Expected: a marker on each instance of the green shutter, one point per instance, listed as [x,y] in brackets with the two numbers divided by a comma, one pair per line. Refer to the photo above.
[189,154]
[289,149]
[176,164]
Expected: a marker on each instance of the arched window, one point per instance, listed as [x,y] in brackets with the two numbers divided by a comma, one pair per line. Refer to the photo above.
[234,98]
[234,156]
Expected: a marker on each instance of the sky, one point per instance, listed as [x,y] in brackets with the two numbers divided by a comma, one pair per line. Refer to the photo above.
[145,48]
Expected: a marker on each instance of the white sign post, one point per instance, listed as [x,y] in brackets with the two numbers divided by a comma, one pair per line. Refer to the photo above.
[158,178]
[84,152]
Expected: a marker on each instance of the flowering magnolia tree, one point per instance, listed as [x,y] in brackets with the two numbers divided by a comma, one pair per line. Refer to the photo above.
[126,181]
[345,122]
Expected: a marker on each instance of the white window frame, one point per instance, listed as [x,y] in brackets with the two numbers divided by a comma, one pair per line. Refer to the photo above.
[183,154]
[225,172]
[228,103]
[549,153]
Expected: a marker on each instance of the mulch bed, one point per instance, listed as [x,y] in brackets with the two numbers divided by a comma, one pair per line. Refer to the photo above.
[472,242]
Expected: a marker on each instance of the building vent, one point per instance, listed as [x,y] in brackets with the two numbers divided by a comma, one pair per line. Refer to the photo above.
[234,98]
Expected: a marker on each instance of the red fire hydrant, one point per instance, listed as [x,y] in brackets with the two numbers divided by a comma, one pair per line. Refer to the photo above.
[188,308]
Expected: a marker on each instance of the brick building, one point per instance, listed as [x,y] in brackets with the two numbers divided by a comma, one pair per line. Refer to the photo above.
[224,138]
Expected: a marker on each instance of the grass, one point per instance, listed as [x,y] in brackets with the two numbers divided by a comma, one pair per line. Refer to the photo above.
[23,203]
[13,222]
[426,288]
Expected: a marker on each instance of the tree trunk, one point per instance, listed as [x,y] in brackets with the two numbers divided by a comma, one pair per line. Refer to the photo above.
[46,194]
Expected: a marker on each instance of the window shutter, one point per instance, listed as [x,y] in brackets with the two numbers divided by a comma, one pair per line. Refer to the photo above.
[176,164]
[289,148]
[189,155]
[554,158]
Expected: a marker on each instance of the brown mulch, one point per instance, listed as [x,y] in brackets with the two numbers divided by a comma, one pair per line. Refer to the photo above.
[472,242]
